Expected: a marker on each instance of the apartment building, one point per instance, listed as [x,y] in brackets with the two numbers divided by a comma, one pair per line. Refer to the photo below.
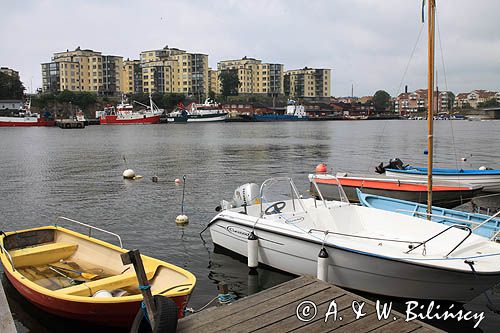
[172,70]
[213,81]
[307,83]
[417,101]
[9,71]
[131,77]
[473,98]
[255,76]
[83,70]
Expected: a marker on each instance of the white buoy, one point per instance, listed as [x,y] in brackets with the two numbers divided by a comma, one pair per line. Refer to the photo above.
[483,167]
[178,181]
[129,174]
[464,159]
[322,273]
[253,250]
[182,219]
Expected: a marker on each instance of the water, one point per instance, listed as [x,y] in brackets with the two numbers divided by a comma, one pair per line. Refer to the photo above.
[47,172]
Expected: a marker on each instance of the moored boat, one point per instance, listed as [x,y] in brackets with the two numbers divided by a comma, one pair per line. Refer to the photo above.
[209,111]
[484,225]
[80,277]
[445,193]
[25,117]
[294,112]
[367,249]
[124,114]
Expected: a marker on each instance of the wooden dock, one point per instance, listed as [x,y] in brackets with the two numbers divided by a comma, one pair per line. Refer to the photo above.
[274,310]
[70,123]
[6,321]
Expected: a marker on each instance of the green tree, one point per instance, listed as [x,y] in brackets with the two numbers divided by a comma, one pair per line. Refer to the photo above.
[229,82]
[381,100]
[211,95]
[491,103]
[10,87]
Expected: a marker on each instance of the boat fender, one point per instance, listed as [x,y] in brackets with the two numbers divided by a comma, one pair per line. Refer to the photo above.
[165,317]
[322,272]
[102,294]
[253,250]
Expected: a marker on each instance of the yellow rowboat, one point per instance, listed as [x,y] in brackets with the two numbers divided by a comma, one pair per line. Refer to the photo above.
[50,266]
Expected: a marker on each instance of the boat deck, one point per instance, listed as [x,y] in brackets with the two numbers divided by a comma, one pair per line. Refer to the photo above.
[274,310]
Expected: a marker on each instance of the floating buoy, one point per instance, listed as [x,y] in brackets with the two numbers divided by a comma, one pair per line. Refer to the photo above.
[253,250]
[178,181]
[464,159]
[129,174]
[321,168]
[426,152]
[182,219]
[154,179]
[322,273]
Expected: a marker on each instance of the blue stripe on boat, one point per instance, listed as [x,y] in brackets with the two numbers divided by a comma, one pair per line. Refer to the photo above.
[438,171]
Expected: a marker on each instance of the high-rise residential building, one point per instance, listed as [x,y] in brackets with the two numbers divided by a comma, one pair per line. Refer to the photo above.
[9,71]
[83,70]
[213,81]
[255,77]
[307,83]
[131,78]
[172,70]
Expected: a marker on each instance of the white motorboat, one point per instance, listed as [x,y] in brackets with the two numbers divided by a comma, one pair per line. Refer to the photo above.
[368,249]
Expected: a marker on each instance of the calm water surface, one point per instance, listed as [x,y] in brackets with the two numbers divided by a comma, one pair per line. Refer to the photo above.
[47,172]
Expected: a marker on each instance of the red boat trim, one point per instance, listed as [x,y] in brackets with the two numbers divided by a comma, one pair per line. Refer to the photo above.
[113,120]
[388,185]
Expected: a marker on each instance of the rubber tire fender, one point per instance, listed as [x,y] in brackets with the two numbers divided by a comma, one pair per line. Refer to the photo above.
[165,317]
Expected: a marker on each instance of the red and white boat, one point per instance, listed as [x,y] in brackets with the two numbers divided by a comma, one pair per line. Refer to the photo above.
[124,114]
[25,118]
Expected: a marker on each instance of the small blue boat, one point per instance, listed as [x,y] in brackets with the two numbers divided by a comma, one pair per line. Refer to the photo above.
[490,229]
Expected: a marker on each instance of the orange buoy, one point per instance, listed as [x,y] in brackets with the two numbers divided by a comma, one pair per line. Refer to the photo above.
[321,168]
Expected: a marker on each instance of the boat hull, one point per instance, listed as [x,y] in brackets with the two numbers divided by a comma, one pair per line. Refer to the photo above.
[352,269]
[24,122]
[115,120]
[117,314]
[444,196]
[278,117]
[198,118]
[489,180]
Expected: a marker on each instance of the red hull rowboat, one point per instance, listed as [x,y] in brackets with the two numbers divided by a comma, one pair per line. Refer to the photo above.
[50,266]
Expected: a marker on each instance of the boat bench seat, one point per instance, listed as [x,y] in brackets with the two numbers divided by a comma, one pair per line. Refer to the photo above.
[42,254]
[109,283]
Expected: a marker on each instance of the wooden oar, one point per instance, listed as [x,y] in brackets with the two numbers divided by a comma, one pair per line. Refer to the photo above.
[71,280]
[88,276]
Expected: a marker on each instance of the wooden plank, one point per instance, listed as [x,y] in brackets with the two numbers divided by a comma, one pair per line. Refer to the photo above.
[201,318]
[398,327]
[367,323]
[6,321]
[292,323]
[270,317]
[226,317]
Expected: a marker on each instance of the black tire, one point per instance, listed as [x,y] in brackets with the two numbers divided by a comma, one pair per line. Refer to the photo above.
[165,317]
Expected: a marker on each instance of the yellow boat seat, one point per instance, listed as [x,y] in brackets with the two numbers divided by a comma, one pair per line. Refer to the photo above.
[42,254]
[109,283]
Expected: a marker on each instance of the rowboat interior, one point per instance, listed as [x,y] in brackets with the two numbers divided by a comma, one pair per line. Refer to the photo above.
[71,264]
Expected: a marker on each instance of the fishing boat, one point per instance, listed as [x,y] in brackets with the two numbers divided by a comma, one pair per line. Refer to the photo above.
[488,178]
[366,249]
[25,117]
[294,112]
[124,114]
[484,225]
[80,277]
[446,193]
[209,111]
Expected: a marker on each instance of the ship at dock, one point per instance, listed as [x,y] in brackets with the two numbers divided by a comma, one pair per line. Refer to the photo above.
[209,111]
[124,114]
[24,117]
[294,112]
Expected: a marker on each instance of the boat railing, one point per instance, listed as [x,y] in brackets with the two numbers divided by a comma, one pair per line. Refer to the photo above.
[318,191]
[462,227]
[90,228]
[327,232]
[417,214]
[8,256]
[342,196]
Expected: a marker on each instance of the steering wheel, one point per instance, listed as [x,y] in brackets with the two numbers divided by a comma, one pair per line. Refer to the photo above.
[275,208]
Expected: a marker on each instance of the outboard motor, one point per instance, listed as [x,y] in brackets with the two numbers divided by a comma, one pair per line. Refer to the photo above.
[245,195]
[394,163]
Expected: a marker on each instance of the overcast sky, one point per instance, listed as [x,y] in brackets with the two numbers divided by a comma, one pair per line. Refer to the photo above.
[366,43]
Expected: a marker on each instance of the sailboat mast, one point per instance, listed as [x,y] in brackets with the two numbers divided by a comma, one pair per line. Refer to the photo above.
[430,102]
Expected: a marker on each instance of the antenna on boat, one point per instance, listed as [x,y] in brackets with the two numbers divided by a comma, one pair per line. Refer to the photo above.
[430,105]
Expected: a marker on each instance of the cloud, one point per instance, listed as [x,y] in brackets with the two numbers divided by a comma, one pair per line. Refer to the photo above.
[366,43]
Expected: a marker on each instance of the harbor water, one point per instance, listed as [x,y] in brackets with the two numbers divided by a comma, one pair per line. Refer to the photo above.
[50,172]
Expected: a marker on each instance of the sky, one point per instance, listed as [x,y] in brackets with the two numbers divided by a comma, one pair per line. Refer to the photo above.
[368,44]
